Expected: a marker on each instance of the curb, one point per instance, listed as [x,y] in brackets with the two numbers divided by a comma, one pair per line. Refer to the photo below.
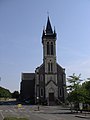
[81,116]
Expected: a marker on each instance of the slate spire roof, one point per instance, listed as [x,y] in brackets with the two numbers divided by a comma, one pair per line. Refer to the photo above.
[48,31]
[49,27]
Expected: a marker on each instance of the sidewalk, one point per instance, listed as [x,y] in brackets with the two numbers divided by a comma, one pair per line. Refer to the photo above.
[83,115]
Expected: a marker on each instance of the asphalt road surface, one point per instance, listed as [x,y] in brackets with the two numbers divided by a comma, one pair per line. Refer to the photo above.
[32,113]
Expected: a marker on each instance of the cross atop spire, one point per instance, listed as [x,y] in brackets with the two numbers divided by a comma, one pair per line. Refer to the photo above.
[48,27]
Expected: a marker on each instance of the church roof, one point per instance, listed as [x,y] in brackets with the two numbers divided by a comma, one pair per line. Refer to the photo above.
[48,31]
[49,27]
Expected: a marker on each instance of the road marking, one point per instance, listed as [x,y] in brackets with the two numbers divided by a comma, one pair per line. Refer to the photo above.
[2,115]
[11,111]
[6,110]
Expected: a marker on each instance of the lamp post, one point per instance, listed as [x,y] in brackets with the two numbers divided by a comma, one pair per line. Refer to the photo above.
[38,102]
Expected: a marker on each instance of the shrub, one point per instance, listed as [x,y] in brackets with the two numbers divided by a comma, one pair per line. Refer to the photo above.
[14,118]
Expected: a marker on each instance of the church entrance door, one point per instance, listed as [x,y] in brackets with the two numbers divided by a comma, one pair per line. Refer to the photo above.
[51,98]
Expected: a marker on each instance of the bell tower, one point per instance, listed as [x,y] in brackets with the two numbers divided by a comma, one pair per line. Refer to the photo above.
[49,59]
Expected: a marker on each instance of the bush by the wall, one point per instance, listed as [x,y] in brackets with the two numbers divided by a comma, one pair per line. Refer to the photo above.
[14,118]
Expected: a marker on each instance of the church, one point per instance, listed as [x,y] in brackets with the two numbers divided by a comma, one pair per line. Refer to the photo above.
[48,84]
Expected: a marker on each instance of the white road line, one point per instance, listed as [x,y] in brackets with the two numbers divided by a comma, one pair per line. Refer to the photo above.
[11,111]
[6,110]
[2,115]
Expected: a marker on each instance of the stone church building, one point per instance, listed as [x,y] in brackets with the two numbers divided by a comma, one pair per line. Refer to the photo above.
[47,84]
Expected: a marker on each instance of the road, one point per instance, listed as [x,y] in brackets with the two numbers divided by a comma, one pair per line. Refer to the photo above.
[32,113]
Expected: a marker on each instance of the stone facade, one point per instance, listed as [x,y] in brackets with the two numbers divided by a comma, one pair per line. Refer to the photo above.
[49,78]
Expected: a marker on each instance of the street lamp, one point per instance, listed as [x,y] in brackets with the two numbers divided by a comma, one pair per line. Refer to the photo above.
[38,102]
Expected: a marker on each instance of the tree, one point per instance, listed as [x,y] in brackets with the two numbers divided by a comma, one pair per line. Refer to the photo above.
[73,81]
[15,94]
[4,93]
[78,93]
[86,87]
[74,88]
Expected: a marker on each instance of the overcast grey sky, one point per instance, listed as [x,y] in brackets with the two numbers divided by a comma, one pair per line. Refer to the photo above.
[21,25]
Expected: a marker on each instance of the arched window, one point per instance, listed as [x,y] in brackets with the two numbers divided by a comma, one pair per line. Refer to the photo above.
[41,92]
[60,92]
[48,51]
[50,67]
[41,77]
[51,48]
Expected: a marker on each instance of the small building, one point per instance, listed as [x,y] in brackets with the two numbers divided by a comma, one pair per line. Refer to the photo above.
[27,87]
[47,84]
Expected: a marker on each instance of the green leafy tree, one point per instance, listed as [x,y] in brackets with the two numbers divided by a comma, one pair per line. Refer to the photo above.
[4,93]
[75,93]
[15,94]
[86,88]
[78,93]
[73,81]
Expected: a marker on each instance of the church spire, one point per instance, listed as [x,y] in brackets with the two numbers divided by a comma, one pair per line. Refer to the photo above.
[48,27]
[48,31]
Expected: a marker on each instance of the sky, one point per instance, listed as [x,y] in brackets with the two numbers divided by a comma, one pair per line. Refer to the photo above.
[21,26]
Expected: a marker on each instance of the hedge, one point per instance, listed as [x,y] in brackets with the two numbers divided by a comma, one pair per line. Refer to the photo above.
[14,118]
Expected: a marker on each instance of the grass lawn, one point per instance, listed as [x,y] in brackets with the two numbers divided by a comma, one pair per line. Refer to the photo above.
[14,118]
